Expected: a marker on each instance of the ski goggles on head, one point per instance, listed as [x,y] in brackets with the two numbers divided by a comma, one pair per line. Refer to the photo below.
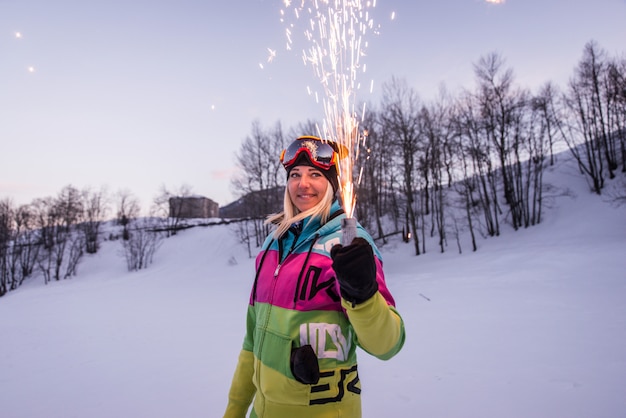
[321,154]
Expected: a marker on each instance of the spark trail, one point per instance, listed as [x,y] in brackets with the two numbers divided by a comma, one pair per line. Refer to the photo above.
[336,32]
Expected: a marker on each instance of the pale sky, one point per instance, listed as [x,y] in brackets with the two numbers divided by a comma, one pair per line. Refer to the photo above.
[137,94]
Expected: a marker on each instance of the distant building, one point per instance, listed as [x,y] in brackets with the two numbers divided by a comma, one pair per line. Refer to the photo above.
[255,204]
[191,207]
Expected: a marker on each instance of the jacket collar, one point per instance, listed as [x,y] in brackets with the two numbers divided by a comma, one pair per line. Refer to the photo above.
[314,227]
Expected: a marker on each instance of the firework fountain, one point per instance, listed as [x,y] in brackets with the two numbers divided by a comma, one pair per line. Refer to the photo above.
[336,34]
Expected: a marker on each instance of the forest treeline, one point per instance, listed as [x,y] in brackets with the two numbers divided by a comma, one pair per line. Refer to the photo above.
[462,165]
[50,236]
[446,171]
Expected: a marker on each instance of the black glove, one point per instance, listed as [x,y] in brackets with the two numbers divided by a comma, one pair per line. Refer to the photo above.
[304,365]
[356,270]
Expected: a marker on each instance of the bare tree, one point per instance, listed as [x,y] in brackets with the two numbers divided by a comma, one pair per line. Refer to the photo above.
[74,253]
[436,163]
[46,221]
[545,104]
[373,165]
[26,242]
[127,210]
[95,209]
[401,105]
[143,242]
[56,220]
[478,185]
[501,111]
[616,95]
[70,209]
[246,230]
[466,186]
[261,179]
[6,244]
[595,111]
[20,242]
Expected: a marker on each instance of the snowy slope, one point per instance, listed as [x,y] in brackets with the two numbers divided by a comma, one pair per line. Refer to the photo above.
[531,325]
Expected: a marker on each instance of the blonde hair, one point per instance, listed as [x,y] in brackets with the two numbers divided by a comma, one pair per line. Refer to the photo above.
[291,214]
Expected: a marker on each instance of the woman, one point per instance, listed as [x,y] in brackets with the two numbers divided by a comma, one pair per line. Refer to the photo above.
[312,303]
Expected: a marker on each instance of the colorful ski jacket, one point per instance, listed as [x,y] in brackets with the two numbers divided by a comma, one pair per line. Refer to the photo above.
[295,301]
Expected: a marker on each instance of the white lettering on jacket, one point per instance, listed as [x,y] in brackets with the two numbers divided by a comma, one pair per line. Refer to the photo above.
[317,334]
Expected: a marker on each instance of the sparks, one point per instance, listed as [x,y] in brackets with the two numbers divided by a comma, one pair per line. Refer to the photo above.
[272,54]
[335,31]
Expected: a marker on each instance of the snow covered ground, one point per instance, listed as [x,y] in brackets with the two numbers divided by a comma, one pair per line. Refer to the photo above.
[531,325]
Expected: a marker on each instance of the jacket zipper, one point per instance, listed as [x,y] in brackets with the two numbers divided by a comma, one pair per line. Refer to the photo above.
[271,301]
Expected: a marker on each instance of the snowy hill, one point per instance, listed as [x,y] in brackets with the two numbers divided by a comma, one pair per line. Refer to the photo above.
[531,325]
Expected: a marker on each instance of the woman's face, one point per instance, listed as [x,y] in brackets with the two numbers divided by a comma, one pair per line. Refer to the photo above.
[306,186]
